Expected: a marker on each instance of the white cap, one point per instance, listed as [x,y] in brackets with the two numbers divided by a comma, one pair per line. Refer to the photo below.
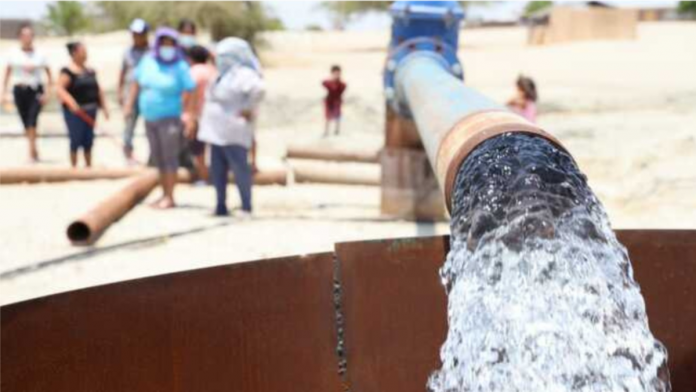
[138,26]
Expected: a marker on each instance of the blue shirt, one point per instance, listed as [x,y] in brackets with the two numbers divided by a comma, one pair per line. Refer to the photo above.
[161,86]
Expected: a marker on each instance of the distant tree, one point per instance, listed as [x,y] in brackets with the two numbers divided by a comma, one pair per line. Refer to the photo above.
[314,27]
[687,8]
[244,19]
[534,6]
[344,11]
[274,24]
[66,17]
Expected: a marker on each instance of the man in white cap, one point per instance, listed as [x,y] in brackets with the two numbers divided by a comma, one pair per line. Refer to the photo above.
[139,29]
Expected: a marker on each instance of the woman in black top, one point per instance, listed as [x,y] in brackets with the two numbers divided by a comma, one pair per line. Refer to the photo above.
[81,96]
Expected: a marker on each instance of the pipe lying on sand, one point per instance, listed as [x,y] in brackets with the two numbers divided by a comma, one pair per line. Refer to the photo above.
[269,177]
[332,154]
[89,227]
[22,135]
[334,175]
[34,175]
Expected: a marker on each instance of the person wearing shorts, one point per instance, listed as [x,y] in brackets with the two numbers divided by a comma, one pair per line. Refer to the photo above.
[25,66]
[79,91]
[162,89]
[334,100]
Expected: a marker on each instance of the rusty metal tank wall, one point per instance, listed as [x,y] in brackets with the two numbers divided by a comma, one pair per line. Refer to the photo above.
[265,326]
[270,325]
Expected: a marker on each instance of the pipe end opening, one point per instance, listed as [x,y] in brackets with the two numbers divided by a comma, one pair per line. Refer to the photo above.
[78,232]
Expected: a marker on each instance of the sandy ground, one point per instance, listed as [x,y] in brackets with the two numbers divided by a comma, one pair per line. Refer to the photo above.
[624,109]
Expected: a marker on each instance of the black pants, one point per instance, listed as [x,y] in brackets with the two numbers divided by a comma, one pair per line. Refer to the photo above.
[27,100]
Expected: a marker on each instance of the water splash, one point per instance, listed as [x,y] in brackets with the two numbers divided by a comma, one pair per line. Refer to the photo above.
[541,294]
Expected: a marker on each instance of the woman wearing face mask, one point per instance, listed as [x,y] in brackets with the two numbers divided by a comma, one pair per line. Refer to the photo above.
[164,83]
[81,96]
[231,101]
[187,34]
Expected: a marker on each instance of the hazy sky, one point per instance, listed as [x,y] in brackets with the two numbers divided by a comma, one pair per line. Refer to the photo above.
[23,9]
[298,14]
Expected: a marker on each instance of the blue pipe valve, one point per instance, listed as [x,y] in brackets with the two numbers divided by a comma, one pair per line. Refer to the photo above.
[422,28]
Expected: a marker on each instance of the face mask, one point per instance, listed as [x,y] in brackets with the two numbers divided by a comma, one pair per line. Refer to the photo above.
[187,41]
[167,53]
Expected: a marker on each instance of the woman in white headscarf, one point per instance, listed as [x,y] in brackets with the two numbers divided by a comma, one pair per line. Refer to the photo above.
[226,123]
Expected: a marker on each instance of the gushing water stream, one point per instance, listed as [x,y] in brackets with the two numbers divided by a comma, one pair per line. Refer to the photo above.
[541,295]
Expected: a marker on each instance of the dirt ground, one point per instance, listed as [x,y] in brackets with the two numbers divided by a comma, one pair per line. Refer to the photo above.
[624,109]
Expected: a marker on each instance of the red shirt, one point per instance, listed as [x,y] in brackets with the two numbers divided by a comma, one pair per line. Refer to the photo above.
[335,89]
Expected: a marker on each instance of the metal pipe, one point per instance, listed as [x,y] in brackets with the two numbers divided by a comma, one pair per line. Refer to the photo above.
[452,119]
[89,227]
[331,174]
[21,135]
[269,177]
[33,175]
[332,154]
[423,80]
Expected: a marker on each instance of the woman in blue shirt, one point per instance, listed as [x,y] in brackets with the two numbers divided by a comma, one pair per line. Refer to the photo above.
[163,85]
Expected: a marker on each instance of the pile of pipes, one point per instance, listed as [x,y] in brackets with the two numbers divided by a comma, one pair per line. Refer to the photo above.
[330,165]
[88,228]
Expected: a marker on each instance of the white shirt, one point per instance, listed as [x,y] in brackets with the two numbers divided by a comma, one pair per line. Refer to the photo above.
[26,67]
[221,123]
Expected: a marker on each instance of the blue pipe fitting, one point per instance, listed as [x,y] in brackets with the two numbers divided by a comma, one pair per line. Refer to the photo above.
[422,28]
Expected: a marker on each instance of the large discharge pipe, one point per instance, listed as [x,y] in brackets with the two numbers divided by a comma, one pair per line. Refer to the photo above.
[452,119]
[541,295]
[423,80]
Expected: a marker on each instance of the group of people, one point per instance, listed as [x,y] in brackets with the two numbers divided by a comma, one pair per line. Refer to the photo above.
[188,96]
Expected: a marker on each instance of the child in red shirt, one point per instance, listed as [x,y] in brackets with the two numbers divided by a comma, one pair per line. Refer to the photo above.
[332,103]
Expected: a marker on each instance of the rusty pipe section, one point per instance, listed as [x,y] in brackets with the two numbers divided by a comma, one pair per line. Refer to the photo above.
[38,174]
[265,177]
[220,328]
[452,119]
[89,227]
[325,153]
[332,174]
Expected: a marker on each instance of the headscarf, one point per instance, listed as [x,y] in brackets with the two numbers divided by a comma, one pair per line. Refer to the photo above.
[235,52]
[167,32]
